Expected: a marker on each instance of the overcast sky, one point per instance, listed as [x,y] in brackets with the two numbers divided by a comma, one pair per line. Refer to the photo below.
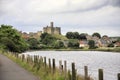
[84,16]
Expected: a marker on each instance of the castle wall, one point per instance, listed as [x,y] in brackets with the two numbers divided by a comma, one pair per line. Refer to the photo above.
[51,29]
[57,30]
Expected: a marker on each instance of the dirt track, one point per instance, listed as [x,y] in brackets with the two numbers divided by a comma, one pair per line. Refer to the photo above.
[11,71]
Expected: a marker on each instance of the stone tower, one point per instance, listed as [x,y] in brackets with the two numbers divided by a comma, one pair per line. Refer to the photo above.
[51,29]
[51,24]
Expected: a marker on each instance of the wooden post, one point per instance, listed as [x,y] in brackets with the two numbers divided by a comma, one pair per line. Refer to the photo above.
[65,66]
[65,69]
[73,72]
[53,66]
[118,76]
[23,57]
[45,61]
[41,59]
[49,63]
[60,67]
[86,72]
[60,63]
[100,74]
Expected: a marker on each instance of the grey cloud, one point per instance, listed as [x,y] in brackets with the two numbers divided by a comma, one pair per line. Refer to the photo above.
[103,3]
[114,2]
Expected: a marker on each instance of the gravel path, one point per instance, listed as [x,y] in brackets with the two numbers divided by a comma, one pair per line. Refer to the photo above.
[11,71]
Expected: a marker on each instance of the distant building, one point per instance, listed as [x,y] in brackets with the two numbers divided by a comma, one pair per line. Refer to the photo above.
[117,44]
[105,40]
[83,43]
[31,35]
[51,29]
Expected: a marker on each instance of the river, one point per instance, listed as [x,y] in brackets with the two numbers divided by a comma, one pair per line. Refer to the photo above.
[108,61]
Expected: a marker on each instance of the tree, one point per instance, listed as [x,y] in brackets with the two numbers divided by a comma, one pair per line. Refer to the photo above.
[70,35]
[48,39]
[91,44]
[58,44]
[33,43]
[76,35]
[82,36]
[43,36]
[11,39]
[73,43]
[97,35]
[9,44]
[111,45]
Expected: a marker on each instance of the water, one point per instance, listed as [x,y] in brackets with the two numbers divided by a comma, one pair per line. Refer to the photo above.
[108,61]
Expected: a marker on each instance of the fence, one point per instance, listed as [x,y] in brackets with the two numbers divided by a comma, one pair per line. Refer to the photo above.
[39,61]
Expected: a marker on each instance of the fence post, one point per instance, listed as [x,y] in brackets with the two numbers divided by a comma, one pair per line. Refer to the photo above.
[118,76]
[60,67]
[73,72]
[53,66]
[86,72]
[100,74]
[65,68]
[49,63]
[45,62]
[23,57]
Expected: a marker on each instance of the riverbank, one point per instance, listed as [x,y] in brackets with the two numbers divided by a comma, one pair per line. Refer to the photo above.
[105,49]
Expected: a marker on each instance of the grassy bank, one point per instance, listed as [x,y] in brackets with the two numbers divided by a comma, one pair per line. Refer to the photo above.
[40,69]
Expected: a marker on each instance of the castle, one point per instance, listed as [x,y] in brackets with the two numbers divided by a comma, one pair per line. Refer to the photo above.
[51,29]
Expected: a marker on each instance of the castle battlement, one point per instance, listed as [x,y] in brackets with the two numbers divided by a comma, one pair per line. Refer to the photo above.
[51,29]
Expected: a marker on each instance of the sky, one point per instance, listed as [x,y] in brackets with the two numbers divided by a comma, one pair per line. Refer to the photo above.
[83,16]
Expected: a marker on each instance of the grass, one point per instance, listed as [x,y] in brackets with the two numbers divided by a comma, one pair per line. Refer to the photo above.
[39,69]
[60,37]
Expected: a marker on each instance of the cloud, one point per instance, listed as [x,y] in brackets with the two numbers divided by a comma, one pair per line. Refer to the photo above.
[68,14]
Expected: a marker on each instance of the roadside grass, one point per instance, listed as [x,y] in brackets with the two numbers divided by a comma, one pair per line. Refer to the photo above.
[43,73]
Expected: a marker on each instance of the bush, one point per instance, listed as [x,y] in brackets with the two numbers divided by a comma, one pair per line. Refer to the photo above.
[111,45]
[91,44]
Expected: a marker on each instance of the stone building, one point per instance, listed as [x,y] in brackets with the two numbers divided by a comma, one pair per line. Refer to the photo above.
[51,29]
[31,35]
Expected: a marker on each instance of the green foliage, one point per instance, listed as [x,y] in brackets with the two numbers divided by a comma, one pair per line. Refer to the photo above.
[73,43]
[11,39]
[72,35]
[91,44]
[96,34]
[58,44]
[82,36]
[76,35]
[111,45]
[33,43]
[60,37]
[48,39]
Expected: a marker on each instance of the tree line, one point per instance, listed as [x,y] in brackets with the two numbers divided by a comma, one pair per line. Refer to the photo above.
[12,40]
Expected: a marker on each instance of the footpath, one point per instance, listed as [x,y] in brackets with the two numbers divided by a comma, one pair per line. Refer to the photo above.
[9,70]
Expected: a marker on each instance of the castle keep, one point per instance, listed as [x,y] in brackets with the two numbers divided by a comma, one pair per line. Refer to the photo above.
[51,29]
